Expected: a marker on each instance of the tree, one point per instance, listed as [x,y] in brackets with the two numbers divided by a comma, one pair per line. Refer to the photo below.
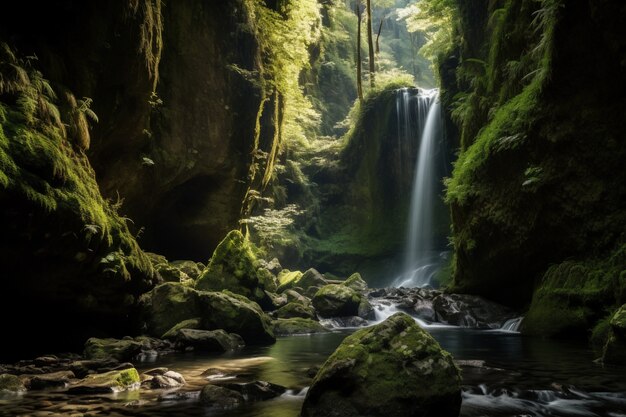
[359,75]
[370,44]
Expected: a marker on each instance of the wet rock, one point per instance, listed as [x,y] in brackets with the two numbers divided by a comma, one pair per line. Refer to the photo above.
[235,267]
[170,273]
[286,327]
[335,300]
[312,371]
[162,378]
[176,396]
[185,324]
[220,397]
[273,266]
[208,340]
[349,321]
[393,368]
[257,390]
[310,278]
[11,383]
[108,382]
[470,311]
[83,367]
[190,268]
[167,305]
[379,292]
[54,379]
[294,309]
[366,310]
[49,360]
[424,310]
[293,296]
[355,282]
[121,350]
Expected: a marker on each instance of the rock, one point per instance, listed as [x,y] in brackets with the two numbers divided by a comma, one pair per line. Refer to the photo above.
[50,380]
[336,300]
[276,301]
[311,291]
[615,347]
[235,267]
[273,266]
[188,267]
[311,278]
[470,311]
[220,397]
[348,321]
[355,282]
[365,310]
[236,314]
[167,305]
[257,390]
[295,297]
[392,369]
[208,340]
[286,327]
[113,381]
[163,380]
[11,383]
[287,279]
[83,367]
[170,273]
[295,309]
[312,371]
[424,310]
[121,350]
[49,360]
[185,324]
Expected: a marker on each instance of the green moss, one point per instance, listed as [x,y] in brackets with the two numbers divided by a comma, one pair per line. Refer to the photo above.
[288,279]
[297,325]
[185,324]
[336,300]
[355,282]
[295,309]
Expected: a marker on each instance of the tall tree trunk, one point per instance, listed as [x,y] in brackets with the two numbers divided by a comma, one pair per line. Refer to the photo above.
[370,43]
[359,75]
[380,28]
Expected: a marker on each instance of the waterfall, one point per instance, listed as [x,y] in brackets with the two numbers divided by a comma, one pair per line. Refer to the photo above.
[422,123]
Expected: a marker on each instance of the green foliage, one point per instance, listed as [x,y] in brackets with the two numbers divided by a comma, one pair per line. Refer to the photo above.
[274,226]
[151,34]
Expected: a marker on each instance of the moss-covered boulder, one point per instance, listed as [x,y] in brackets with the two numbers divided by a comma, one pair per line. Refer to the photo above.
[108,382]
[297,325]
[615,348]
[336,300]
[294,309]
[207,340]
[235,314]
[234,267]
[120,349]
[356,282]
[392,369]
[296,279]
[185,324]
[220,397]
[574,296]
[167,305]
[191,268]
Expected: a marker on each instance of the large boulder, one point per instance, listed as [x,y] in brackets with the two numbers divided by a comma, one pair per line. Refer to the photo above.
[235,314]
[295,309]
[296,279]
[220,397]
[392,369]
[234,267]
[119,349]
[207,340]
[335,300]
[297,325]
[356,282]
[615,348]
[169,304]
[191,268]
[470,311]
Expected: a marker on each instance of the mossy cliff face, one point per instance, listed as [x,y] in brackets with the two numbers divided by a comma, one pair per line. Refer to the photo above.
[70,265]
[539,98]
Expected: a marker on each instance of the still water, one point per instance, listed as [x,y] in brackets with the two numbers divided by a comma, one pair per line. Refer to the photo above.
[504,374]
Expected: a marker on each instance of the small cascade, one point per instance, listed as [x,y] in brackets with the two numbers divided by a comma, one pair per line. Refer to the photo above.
[512,325]
[422,123]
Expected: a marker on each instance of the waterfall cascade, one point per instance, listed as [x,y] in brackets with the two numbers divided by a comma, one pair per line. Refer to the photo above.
[419,120]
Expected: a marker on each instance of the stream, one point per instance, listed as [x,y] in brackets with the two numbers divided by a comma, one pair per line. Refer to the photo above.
[504,374]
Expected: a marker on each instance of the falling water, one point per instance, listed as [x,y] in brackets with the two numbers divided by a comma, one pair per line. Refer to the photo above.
[421,260]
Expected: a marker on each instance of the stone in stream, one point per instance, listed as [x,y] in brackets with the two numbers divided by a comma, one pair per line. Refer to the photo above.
[11,383]
[108,382]
[257,390]
[50,380]
[208,340]
[335,300]
[470,311]
[355,282]
[220,397]
[185,324]
[392,369]
[295,309]
[297,325]
[119,349]
[162,378]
